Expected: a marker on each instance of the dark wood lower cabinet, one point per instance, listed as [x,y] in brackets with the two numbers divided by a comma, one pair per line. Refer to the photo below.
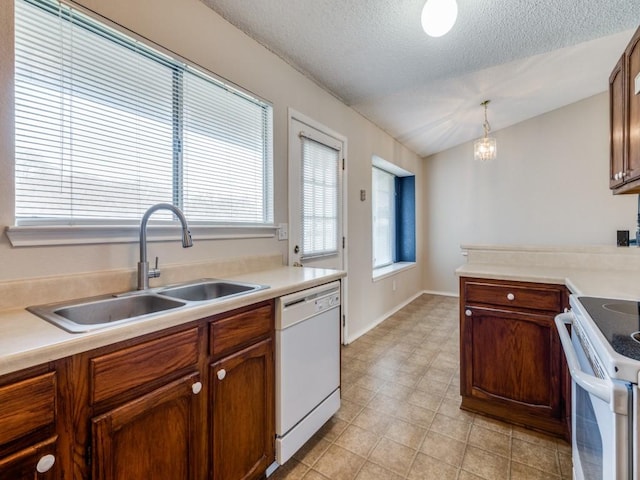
[242,396]
[513,368]
[152,437]
[188,403]
[32,463]
[511,360]
[29,441]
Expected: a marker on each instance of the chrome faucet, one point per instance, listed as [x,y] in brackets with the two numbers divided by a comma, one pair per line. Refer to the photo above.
[144,274]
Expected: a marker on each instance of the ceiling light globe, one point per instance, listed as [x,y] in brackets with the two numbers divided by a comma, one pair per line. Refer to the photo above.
[438,16]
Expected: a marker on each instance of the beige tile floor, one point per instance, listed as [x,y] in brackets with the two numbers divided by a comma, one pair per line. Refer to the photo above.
[400,415]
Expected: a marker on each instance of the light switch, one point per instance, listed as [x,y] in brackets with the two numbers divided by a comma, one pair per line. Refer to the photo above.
[283,231]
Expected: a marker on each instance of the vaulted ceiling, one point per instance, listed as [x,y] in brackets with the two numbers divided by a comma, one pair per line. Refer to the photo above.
[527,56]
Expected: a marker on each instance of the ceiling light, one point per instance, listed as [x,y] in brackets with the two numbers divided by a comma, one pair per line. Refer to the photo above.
[485,148]
[438,16]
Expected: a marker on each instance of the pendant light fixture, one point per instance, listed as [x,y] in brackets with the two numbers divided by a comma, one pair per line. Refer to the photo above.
[438,16]
[485,148]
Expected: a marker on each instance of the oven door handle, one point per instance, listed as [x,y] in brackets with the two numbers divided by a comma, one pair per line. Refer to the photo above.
[594,385]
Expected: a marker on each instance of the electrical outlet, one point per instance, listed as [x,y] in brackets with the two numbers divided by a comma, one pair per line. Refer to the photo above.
[283,231]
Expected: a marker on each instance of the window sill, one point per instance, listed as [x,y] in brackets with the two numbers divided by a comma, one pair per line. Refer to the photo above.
[390,270]
[34,236]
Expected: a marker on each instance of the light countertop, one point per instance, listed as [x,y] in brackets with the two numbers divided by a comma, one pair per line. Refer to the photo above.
[26,340]
[592,271]
[593,283]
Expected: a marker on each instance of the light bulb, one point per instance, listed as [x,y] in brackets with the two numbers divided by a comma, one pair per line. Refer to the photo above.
[438,16]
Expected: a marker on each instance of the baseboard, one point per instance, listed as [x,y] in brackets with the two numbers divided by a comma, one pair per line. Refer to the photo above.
[444,294]
[382,318]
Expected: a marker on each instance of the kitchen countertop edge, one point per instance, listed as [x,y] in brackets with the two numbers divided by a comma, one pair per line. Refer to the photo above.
[621,284]
[28,340]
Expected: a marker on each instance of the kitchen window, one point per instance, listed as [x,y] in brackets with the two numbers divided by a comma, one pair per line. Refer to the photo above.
[393,218]
[383,205]
[107,126]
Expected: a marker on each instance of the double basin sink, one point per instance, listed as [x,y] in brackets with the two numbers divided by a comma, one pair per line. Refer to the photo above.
[79,316]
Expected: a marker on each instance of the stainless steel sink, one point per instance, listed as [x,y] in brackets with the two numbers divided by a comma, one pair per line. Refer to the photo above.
[100,312]
[85,315]
[209,289]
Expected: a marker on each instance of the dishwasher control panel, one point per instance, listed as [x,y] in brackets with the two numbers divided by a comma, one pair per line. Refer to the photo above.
[299,306]
[327,302]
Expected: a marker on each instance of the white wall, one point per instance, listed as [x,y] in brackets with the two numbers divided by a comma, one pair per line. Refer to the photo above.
[190,29]
[548,185]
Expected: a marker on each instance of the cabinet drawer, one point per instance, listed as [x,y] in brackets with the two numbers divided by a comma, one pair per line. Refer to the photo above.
[117,372]
[515,295]
[230,333]
[27,406]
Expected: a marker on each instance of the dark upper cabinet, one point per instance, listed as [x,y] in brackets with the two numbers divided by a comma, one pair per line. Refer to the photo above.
[624,120]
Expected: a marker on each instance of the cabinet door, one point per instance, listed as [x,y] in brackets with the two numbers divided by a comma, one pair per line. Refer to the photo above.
[513,360]
[617,127]
[152,437]
[632,68]
[37,462]
[242,387]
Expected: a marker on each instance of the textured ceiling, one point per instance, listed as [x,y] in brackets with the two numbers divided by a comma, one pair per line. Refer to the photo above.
[527,56]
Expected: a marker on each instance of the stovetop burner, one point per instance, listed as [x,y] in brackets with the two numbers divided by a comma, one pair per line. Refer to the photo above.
[618,320]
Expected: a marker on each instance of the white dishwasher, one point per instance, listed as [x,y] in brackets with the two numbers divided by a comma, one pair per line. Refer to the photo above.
[307,365]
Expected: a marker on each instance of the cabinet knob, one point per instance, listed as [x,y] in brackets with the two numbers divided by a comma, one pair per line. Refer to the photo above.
[221,374]
[510,296]
[467,312]
[196,387]
[45,463]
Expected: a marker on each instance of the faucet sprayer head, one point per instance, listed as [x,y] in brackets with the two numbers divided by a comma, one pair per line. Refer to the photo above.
[186,238]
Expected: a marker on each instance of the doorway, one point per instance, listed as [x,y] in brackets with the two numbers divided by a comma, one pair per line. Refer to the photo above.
[317,211]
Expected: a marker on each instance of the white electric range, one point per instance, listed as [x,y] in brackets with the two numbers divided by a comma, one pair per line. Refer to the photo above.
[603,355]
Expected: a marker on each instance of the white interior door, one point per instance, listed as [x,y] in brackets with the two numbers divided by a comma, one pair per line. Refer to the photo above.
[317,207]
[315,197]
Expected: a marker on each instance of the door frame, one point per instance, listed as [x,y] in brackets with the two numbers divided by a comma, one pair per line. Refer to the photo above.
[293,114]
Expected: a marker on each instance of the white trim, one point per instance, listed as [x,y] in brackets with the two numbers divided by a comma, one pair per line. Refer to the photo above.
[301,117]
[84,235]
[390,270]
[294,114]
[383,317]
[389,167]
[443,294]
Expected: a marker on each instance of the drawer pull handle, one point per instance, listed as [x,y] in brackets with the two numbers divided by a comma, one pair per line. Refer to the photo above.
[45,463]
[221,374]
[467,312]
[510,296]
[196,388]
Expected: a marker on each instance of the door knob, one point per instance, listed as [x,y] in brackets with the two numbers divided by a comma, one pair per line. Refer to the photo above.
[221,374]
[196,388]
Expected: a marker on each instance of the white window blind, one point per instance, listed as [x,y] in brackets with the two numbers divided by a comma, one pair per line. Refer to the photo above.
[320,191]
[383,208]
[107,126]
